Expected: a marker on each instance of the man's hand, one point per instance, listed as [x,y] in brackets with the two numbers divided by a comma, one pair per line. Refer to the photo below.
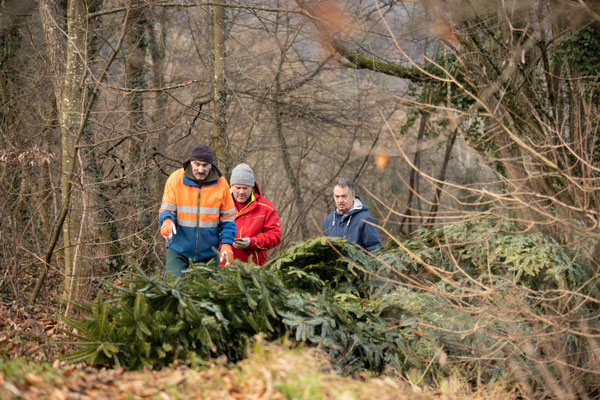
[225,255]
[167,230]
[241,243]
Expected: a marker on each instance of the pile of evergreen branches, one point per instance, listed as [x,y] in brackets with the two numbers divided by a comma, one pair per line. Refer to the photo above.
[467,298]
[317,290]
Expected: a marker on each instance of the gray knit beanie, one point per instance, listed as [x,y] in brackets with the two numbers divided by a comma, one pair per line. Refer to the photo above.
[242,175]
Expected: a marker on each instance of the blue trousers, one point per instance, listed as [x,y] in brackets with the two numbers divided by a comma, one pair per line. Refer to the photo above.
[177,263]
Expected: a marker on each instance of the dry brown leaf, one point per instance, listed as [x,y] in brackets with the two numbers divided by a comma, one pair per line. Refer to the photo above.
[33,348]
[418,333]
[452,120]
[57,394]
[445,31]
[174,379]
[33,379]
[443,358]
[332,13]
[381,161]
[346,395]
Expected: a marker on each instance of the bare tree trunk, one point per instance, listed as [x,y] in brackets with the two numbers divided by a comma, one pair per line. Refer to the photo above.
[53,240]
[53,24]
[293,178]
[414,176]
[135,78]
[441,178]
[79,272]
[219,135]
[157,53]
[140,186]
[70,114]
[293,175]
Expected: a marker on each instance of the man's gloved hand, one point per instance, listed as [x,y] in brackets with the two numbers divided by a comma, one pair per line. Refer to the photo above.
[167,230]
[225,254]
[241,243]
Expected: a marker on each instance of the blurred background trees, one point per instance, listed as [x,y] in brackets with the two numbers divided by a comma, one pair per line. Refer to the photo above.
[440,111]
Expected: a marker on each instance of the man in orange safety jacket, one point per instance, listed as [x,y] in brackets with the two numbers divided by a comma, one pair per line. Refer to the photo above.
[197,213]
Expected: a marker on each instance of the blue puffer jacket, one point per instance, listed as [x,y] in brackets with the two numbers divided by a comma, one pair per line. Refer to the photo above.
[352,226]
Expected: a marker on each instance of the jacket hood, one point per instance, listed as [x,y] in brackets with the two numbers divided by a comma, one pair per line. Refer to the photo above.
[257,189]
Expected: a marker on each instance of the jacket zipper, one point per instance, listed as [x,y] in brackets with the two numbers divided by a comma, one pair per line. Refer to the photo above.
[239,212]
[197,224]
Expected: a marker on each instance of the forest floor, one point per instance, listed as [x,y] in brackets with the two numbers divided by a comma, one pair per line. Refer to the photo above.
[31,368]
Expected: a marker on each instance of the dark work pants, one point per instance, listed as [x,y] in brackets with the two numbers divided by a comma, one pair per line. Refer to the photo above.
[177,263]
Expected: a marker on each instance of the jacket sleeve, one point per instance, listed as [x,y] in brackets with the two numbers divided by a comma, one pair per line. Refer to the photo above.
[168,206]
[227,228]
[369,236]
[271,232]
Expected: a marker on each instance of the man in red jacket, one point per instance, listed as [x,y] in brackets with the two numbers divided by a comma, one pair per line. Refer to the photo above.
[256,218]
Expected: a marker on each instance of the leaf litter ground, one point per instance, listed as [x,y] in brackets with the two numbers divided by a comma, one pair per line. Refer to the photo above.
[270,372]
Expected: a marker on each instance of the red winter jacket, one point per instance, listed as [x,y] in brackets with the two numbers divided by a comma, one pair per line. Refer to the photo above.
[258,220]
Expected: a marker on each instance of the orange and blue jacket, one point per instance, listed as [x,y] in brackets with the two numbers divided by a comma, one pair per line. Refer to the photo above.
[204,214]
[258,220]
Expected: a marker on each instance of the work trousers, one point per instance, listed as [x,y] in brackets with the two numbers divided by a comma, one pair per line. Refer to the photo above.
[177,263]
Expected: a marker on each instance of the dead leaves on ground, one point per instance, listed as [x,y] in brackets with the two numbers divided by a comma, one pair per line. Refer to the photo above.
[271,372]
[29,333]
[115,384]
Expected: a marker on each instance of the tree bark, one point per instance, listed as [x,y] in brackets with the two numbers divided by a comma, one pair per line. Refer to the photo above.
[293,178]
[53,26]
[219,134]
[156,44]
[70,113]
[73,114]
[135,77]
[441,178]
[414,176]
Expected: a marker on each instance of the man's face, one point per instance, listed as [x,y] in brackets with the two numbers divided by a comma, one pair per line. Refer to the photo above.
[200,169]
[343,200]
[241,192]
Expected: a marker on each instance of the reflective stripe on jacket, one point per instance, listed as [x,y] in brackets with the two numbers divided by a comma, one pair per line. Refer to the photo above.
[259,221]
[203,215]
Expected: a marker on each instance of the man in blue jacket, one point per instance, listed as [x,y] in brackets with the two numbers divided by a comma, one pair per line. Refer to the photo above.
[350,218]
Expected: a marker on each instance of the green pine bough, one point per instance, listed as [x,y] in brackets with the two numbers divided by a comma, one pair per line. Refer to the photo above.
[385,314]
[312,292]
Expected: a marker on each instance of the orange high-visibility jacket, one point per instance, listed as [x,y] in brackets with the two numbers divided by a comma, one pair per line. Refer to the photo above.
[203,215]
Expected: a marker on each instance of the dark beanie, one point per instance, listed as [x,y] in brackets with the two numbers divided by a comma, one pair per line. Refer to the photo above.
[202,152]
